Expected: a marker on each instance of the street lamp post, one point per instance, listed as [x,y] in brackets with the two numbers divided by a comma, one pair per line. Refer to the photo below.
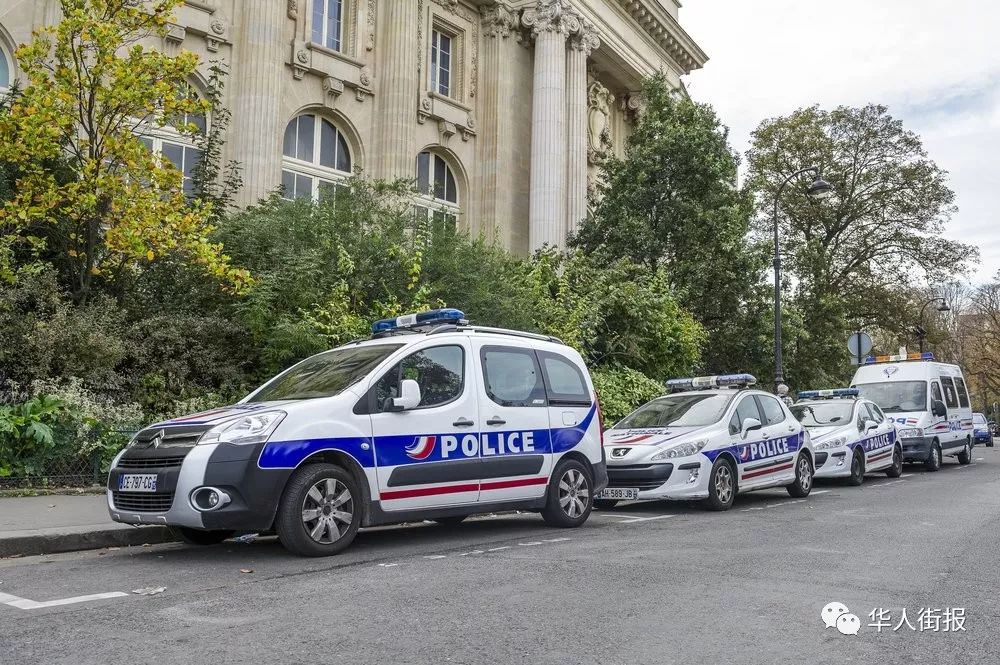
[920,330]
[819,189]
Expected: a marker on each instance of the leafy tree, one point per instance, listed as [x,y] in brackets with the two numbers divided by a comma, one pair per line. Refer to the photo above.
[671,204]
[882,231]
[216,183]
[90,85]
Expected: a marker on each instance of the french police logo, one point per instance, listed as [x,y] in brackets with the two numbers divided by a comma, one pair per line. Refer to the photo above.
[421,448]
[745,454]
[890,370]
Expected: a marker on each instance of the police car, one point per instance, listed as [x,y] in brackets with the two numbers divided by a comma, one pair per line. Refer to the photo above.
[850,436]
[710,438]
[431,418]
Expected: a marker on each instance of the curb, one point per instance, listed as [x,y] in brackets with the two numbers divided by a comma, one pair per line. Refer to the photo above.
[52,543]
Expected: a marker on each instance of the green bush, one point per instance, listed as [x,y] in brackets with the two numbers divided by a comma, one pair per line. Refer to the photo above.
[623,390]
[28,441]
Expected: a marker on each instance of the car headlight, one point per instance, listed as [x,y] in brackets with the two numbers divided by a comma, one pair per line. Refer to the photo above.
[680,450]
[245,430]
[835,442]
[909,433]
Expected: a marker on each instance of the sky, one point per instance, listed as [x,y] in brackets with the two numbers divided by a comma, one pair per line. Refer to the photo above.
[936,65]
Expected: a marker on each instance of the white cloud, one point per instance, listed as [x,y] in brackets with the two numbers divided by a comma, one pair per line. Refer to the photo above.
[934,64]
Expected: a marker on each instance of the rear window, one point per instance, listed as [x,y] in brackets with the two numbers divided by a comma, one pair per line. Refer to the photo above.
[979,418]
[963,394]
[564,381]
[950,396]
[512,376]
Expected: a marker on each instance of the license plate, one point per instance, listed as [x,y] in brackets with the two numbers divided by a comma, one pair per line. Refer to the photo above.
[137,482]
[619,493]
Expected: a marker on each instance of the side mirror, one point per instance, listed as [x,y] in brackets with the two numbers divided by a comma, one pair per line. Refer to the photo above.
[749,425]
[409,397]
[870,425]
[938,409]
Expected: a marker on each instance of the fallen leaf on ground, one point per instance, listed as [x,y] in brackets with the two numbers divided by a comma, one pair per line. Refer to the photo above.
[246,570]
[149,591]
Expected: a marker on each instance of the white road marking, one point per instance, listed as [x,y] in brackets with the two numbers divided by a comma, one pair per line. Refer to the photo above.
[980,459]
[25,604]
[965,466]
[497,549]
[555,540]
[534,542]
[820,491]
[785,503]
[388,565]
[635,520]
[906,475]
[436,556]
[472,552]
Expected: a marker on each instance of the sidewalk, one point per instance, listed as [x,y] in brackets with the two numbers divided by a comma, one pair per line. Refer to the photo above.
[65,523]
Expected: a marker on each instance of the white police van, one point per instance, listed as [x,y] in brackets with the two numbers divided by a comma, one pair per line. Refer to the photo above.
[711,438]
[850,436]
[928,400]
[431,418]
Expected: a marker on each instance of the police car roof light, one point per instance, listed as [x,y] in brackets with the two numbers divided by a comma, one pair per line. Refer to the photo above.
[836,392]
[874,360]
[430,317]
[703,382]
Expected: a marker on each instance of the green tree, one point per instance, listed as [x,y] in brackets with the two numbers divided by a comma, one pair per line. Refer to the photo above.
[880,233]
[672,204]
[90,85]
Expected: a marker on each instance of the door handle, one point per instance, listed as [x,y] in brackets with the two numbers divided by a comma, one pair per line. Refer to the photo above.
[463,422]
[495,420]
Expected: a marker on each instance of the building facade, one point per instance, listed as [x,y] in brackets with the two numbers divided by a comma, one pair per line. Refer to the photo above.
[500,110]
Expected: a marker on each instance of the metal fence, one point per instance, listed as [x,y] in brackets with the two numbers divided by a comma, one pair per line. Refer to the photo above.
[68,469]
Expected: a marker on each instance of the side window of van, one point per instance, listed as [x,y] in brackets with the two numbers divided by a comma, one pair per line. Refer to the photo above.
[950,397]
[512,376]
[963,393]
[564,383]
[936,392]
[439,371]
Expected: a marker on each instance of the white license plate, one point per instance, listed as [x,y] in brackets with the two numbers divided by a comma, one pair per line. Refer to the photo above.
[619,493]
[137,482]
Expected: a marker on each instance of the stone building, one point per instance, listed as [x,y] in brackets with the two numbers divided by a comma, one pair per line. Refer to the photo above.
[500,110]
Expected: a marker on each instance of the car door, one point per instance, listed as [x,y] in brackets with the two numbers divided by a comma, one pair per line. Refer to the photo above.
[781,439]
[514,416]
[428,456]
[952,437]
[753,466]
[880,441]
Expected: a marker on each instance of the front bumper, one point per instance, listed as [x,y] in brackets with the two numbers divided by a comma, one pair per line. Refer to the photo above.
[681,479]
[833,462]
[916,449]
[983,437]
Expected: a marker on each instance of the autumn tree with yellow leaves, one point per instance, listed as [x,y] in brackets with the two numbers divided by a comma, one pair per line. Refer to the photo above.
[92,88]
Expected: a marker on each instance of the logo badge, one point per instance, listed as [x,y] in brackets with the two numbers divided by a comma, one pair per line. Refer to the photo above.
[619,452]
[889,371]
[745,454]
[421,448]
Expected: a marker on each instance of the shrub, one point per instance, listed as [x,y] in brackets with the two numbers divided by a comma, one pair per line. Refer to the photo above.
[623,390]
[28,441]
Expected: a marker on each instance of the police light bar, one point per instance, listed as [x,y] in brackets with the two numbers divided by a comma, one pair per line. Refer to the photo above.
[836,392]
[873,360]
[702,382]
[430,317]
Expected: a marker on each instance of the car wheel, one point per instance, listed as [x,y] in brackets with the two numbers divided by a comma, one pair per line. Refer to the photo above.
[803,483]
[453,520]
[857,468]
[605,504]
[320,511]
[895,470]
[721,485]
[990,444]
[570,497]
[933,462]
[965,457]
[199,536]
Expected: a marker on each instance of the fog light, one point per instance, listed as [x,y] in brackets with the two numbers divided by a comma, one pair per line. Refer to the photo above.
[208,498]
[693,478]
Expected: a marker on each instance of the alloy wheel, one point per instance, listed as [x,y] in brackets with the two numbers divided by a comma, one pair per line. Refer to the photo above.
[327,510]
[805,475]
[724,484]
[574,493]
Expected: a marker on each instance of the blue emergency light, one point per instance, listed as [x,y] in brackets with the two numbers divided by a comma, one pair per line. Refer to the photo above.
[702,382]
[836,392]
[430,317]
[874,360]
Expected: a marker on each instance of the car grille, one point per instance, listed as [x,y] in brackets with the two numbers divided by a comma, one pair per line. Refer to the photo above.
[143,503]
[644,477]
[151,462]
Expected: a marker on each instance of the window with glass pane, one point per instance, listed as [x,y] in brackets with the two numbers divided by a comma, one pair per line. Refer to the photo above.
[328,23]
[4,71]
[441,45]
[317,158]
[435,178]
[184,158]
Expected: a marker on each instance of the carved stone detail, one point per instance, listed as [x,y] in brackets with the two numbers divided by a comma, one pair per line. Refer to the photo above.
[334,88]
[499,20]
[175,33]
[599,139]
[550,15]
[293,9]
[586,39]
[218,27]
[446,130]
[212,44]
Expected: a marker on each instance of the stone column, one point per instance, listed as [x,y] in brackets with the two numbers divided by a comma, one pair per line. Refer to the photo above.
[258,125]
[547,207]
[397,86]
[581,46]
[496,126]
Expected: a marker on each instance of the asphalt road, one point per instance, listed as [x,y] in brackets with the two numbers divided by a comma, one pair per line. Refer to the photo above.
[646,583]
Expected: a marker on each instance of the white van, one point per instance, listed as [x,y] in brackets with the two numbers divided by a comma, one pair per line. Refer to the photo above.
[929,402]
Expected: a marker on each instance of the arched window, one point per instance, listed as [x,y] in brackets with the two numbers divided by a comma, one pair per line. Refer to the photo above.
[437,189]
[5,70]
[316,158]
[175,141]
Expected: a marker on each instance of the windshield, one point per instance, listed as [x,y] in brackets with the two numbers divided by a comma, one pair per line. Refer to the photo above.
[679,411]
[326,374]
[896,396]
[978,418]
[823,414]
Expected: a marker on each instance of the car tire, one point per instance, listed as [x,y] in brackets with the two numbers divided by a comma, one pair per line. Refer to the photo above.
[570,496]
[857,476]
[453,520]
[722,485]
[895,470]
[802,485]
[315,516]
[933,462]
[200,536]
[990,444]
[965,457]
